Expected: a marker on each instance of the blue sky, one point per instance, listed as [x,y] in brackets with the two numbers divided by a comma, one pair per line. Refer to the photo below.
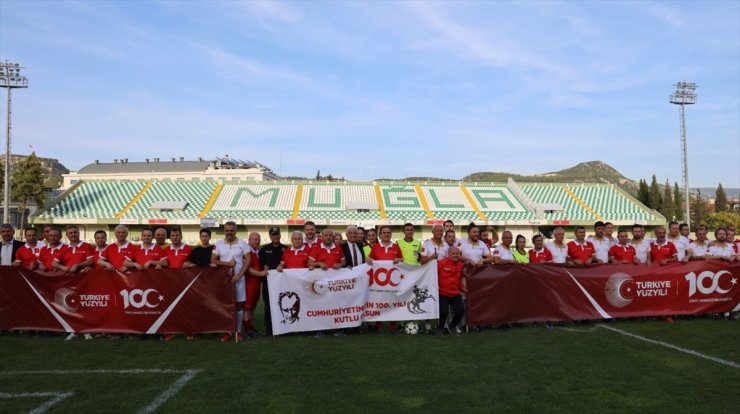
[378,89]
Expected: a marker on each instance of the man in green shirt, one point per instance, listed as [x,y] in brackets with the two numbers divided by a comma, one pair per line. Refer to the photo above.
[410,248]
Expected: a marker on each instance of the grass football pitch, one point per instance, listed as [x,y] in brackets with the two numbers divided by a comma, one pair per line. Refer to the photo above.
[689,366]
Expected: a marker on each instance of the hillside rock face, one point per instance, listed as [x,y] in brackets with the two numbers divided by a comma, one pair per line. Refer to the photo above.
[585,172]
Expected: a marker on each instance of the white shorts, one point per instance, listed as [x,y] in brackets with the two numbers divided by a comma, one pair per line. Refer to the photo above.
[240,292]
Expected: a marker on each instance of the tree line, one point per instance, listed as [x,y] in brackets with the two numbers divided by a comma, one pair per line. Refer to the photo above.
[670,203]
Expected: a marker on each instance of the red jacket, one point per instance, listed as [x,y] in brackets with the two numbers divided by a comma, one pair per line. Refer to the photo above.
[449,274]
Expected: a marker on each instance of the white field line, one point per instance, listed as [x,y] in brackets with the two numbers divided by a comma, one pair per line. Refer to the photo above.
[171,391]
[724,362]
[187,375]
[95,371]
[56,397]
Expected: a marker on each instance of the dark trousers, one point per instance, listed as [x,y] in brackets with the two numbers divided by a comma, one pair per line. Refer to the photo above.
[458,310]
[266,302]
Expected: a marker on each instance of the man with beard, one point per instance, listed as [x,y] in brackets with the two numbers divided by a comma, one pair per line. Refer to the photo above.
[231,252]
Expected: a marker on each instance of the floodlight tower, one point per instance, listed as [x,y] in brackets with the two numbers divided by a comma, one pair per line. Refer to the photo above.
[10,78]
[685,94]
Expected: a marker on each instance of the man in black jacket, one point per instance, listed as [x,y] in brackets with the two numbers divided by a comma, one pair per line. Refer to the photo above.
[9,245]
[353,252]
[270,256]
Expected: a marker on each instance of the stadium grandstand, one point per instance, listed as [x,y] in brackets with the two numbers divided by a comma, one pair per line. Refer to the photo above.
[207,193]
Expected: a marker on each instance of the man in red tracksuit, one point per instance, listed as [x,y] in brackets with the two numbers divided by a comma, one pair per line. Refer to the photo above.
[449,273]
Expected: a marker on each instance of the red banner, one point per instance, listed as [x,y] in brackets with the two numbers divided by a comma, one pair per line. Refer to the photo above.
[149,301]
[531,293]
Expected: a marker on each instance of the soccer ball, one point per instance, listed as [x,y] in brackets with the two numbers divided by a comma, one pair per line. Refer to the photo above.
[411,328]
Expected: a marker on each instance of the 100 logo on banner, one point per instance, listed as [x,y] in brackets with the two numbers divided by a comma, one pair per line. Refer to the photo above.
[138,298]
[699,282]
[386,277]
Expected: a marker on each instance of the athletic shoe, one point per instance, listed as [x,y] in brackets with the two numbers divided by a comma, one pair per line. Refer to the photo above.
[318,335]
[339,333]
[458,332]
[239,337]
[70,337]
[88,337]
[189,337]
[226,337]
[169,337]
[252,334]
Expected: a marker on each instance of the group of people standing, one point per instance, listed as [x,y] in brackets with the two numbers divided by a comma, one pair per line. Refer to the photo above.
[249,261]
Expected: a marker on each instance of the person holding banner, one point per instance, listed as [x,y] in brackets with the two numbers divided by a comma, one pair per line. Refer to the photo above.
[79,255]
[201,254]
[297,257]
[662,251]
[232,253]
[372,240]
[680,241]
[735,243]
[558,248]
[410,248]
[255,276]
[10,245]
[720,249]
[623,252]
[27,255]
[502,253]
[50,256]
[270,256]
[450,277]
[432,248]
[312,239]
[474,251]
[327,254]
[519,252]
[101,242]
[385,249]
[353,248]
[601,243]
[580,251]
[149,254]
[539,253]
[641,245]
[177,254]
[114,256]
[699,248]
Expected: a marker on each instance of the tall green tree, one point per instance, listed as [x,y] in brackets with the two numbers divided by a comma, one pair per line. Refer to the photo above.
[720,199]
[678,202]
[643,192]
[699,211]
[654,199]
[27,184]
[668,209]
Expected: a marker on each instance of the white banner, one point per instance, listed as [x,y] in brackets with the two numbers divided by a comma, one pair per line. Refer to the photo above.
[402,292]
[310,300]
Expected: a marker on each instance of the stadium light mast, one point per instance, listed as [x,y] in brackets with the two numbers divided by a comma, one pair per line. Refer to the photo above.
[10,78]
[685,94]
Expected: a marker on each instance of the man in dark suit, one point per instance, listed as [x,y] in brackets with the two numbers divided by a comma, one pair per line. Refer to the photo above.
[9,245]
[353,252]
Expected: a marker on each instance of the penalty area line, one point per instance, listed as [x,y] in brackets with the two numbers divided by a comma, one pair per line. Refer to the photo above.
[182,380]
[724,362]
[171,391]
[56,398]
